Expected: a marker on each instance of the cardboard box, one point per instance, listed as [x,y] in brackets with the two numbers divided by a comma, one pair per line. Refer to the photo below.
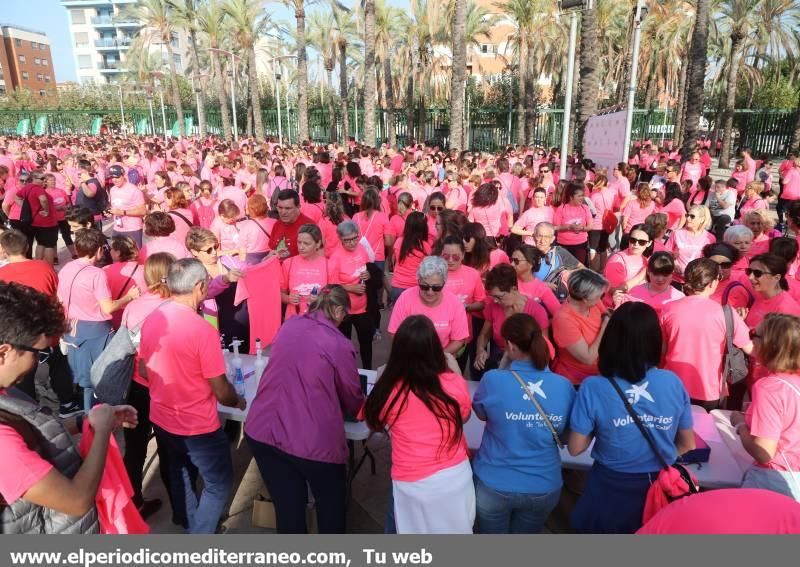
[264,514]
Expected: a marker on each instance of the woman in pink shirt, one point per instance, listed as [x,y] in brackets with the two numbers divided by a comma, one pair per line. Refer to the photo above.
[60,203]
[687,243]
[733,289]
[628,268]
[761,224]
[526,260]
[492,211]
[159,228]
[539,212]
[692,170]
[657,290]
[637,210]
[740,174]
[769,430]
[409,251]
[304,275]
[225,228]
[178,209]
[767,276]
[752,199]
[277,182]
[124,273]
[373,225]
[619,182]
[156,192]
[136,440]
[204,209]
[573,221]
[424,405]
[672,206]
[312,206]
[334,216]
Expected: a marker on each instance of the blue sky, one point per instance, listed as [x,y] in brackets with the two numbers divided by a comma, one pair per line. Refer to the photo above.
[50,17]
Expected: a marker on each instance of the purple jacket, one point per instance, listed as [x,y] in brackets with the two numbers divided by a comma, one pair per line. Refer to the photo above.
[311,381]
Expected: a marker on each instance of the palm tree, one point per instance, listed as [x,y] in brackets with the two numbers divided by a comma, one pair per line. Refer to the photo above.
[589,83]
[522,14]
[185,15]
[458,76]
[210,24]
[158,27]
[302,64]
[250,22]
[389,22]
[321,36]
[370,83]
[344,29]
[737,19]
[695,81]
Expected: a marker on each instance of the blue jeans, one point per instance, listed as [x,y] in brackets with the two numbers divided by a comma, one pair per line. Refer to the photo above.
[210,454]
[512,512]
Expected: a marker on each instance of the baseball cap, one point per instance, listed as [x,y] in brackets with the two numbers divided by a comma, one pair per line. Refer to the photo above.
[116,171]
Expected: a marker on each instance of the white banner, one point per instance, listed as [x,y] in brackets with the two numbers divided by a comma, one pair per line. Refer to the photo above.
[604,139]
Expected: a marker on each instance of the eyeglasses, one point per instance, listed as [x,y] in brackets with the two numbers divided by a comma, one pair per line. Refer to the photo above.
[756,273]
[725,265]
[451,257]
[428,287]
[755,335]
[639,241]
[517,261]
[43,353]
[436,208]
[351,240]
[691,216]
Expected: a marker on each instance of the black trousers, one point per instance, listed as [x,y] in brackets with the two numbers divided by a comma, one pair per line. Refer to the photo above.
[365,329]
[136,441]
[374,285]
[60,378]
[27,230]
[285,477]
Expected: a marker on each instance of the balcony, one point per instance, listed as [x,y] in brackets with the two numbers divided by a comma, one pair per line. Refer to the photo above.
[111,67]
[85,3]
[112,44]
[115,21]
[102,22]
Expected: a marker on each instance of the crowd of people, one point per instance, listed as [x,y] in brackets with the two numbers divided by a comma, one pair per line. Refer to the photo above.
[582,307]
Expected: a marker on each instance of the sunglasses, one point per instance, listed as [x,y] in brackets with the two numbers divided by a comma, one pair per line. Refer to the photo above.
[639,241]
[544,170]
[451,257]
[756,273]
[436,208]
[427,287]
[691,216]
[725,265]
[43,353]
[210,249]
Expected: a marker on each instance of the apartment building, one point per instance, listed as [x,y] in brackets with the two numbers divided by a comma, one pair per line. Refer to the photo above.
[25,60]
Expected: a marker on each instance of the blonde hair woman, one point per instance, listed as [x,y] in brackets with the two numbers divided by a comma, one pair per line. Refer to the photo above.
[686,244]
[760,222]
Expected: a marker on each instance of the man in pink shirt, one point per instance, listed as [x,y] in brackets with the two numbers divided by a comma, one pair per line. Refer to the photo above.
[187,381]
[127,205]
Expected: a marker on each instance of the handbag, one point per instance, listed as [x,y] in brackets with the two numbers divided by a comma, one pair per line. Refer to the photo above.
[539,409]
[735,367]
[610,220]
[673,481]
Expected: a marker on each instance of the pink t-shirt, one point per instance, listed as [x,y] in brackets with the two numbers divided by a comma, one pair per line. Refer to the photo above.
[694,331]
[493,218]
[23,468]
[127,197]
[181,226]
[405,270]
[781,303]
[603,201]
[754,204]
[674,210]
[345,267]
[163,244]
[775,415]
[457,198]
[204,211]
[234,194]
[181,399]
[635,213]
[314,211]
[538,290]
[495,315]
[570,214]
[60,201]
[120,282]
[254,234]
[134,315]
[329,237]
[529,219]
[227,234]
[301,275]
[497,257]
[623,266]
[374,229]
[654,299]
[81,286]
[622,187]
[449,317]
[396,225]
[686,246]
[791,184]
[420,441]
[466,284]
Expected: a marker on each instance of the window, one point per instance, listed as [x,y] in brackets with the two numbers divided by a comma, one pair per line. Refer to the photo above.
[484,48]
[44,62]
[177,60]
[18,42]
[47,78]
[81,39]
[42,93]
[22,58]
[78,16]
[2,89]
[34,45]
[25,75]
[39,77]
[84,61]
[35,60]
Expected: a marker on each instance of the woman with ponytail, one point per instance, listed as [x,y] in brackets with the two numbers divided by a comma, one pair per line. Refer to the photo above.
[767,275]
[518,467]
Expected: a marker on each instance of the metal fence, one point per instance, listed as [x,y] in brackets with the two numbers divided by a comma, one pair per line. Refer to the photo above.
[764,131]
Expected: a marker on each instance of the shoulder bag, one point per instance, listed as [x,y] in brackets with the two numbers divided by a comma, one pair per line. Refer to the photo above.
[553,432]
[128,281]
[673,481]
[735,367]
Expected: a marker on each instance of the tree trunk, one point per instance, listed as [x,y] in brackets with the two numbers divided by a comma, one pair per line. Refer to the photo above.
[530,94]
[694,84]
[255,95]
[622,85]
[219,80]
[176,97]
[589,84]
[458,76]
[421,119]
[650,92]
[302,77]
[387,78]
[677,136]
[370,86]
[331,109]
[730,102]
[523,81]
[379,96]
[343,91]
[201,107]
[410,135]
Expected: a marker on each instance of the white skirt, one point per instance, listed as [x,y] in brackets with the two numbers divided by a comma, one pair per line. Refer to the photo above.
[443,503]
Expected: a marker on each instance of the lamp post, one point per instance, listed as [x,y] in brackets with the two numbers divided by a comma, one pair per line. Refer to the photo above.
[150,104]
[232,75]
[641,12]
[121,107]
[197,90]
[159,75]
[277,78]
[510,101]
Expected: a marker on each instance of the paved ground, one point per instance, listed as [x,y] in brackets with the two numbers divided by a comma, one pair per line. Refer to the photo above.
[369,492]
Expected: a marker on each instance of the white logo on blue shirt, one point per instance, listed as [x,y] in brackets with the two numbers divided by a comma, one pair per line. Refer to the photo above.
[635,393]
[536,389]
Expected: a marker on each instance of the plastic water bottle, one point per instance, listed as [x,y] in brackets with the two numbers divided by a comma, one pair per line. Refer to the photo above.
[260,363]
[238,375]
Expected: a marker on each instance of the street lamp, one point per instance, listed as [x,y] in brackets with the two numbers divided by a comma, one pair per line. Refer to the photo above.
[197,90]
[277,78]
[121,107]
[639,15]
[465,134]
[159,75]
[232,75]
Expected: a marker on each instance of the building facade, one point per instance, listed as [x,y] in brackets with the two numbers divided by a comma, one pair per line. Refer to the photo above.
[101,35]
[25,60]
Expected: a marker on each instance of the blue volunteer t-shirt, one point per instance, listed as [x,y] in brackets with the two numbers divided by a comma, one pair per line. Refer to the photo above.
[659,399]
[518,453]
